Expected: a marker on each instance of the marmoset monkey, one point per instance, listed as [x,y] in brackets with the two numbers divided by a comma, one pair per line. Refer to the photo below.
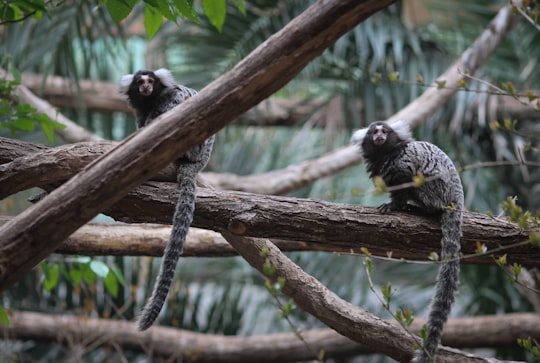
[392,154]
[152,94]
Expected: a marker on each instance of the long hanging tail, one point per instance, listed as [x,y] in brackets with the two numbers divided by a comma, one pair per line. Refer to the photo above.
[447,284]
[183,216]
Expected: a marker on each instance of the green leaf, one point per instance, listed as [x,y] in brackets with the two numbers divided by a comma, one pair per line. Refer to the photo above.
[119,9]
[387,292]
[16,75]
[268,269]
[118,273]
[152,20]
[24,124]
[216,11]
[111,284]
[241,6]
[89,276]
[75,275]
[4,318]
[186,9]
[99,268]
[165,9]
[48,126]
[51,278]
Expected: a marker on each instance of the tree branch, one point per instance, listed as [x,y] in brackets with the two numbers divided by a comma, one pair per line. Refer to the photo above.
[313,297]
[150,240]
[315,221]
[484,331]
[103,96]
[221,210]
[26,165]
[61,163]
[304,224]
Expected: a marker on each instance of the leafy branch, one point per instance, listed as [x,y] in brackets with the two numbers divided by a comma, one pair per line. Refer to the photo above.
[276,288]
[506,89]
[403,316]
[16,115]
[171,10]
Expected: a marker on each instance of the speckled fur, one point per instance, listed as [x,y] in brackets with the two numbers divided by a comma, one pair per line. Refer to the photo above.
[397,160]
[166,94]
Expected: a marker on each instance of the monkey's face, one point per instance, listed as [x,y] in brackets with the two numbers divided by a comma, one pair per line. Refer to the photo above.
[145,84]
[379,134]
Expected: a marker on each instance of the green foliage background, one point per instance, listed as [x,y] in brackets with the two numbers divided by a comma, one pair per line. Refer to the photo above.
[224,295]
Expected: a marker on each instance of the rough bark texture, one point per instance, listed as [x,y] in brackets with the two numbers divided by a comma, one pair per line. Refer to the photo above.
[53,165]
[26,165]
[483,331]
[34,234]
[313,221]
[293,224]
[349,320]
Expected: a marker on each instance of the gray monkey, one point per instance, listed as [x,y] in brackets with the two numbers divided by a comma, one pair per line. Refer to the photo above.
[392,154]
[150,94]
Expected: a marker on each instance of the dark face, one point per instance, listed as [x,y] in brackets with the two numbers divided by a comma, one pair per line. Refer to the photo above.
[378,134]
[380,140]
[145,83]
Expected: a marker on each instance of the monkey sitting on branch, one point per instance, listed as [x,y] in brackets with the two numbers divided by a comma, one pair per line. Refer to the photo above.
[391,154]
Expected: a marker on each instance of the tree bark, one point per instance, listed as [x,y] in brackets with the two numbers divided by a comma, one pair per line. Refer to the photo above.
[484,331]
[151,239]
[35,233]
[25,165]
[351,321]
[321,222]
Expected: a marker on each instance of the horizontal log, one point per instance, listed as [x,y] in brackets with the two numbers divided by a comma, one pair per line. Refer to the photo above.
[399,235]
[483,331]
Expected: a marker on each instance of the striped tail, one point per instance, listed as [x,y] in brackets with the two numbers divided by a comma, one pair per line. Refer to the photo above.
[447,285]
[183,216]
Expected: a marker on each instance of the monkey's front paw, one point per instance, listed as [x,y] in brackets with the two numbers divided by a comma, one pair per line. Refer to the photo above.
[386,208]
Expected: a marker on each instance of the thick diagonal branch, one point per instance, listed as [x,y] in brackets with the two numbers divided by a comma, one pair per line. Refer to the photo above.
[36,232]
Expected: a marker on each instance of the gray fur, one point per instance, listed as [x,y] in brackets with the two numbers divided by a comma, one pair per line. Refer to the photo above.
[165,95]
[394,156]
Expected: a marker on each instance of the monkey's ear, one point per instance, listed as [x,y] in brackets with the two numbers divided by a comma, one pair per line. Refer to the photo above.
[166,77]
[402,128]
[125,82]
[358,137]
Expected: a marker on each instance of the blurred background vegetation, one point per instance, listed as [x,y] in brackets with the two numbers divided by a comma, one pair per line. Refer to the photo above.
[224,295]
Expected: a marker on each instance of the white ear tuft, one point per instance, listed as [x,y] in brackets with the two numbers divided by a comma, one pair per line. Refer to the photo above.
[125,82]
[402,128]
[358,137]
[166,77]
